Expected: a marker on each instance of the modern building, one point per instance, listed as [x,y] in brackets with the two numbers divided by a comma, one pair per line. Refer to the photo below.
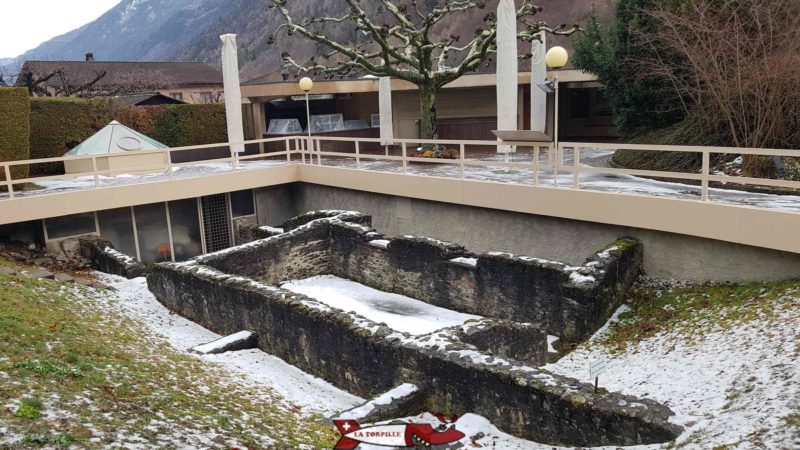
[466,108]
[190,82]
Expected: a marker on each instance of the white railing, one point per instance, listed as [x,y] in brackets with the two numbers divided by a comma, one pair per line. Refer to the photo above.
[532,162]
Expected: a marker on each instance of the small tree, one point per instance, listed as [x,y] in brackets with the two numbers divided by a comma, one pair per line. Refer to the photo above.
[401,42]
[738,69]
[638,101]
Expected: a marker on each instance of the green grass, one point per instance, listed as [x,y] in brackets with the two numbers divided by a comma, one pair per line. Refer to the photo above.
[74,374]
[694,310]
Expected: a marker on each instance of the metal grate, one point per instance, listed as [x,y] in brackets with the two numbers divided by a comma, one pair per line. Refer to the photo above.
[216,222]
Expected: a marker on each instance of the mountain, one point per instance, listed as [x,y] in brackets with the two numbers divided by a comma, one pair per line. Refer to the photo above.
[188,30]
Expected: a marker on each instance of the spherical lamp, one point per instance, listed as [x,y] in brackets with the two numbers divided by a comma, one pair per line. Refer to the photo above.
[556,58]
[306,84]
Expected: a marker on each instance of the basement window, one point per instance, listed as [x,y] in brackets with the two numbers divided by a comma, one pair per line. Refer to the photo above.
[69,226]
[242,203]
[116,226]
[151,229]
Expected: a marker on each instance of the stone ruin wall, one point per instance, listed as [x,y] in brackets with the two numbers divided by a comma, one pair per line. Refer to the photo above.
[501,285]
[367,359]
[488,367]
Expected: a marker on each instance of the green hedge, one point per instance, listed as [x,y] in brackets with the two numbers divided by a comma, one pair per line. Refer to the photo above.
[58,125]
[14,129]
[182,125]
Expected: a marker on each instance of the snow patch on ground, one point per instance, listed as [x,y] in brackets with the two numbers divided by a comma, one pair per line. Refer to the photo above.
[398,312]
[310,393]
[550,341]
[222,343]
[735,387]
[404,390]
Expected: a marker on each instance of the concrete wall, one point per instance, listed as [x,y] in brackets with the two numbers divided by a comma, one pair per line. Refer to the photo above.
[275,204]
[666,255]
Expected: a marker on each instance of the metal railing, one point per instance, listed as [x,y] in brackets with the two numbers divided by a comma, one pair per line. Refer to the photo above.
[531,161]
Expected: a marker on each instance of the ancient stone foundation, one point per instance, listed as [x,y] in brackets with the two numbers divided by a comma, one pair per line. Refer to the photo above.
[105,258]
[487,366]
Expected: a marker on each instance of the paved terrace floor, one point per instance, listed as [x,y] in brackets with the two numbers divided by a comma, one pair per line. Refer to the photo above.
[614,183]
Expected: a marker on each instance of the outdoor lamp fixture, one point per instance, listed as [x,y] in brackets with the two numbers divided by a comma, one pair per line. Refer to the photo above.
[556,58]
[306,84]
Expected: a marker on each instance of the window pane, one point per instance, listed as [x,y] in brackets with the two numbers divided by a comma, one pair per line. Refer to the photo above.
[151,228]
[116,226]
[242,203]
[185,229]
[73,225]
[579,103]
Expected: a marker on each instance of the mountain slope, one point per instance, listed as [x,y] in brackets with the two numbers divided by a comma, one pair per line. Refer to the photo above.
[188,30]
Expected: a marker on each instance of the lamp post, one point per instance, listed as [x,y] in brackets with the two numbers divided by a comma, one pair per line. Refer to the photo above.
[306,84]
[556,58]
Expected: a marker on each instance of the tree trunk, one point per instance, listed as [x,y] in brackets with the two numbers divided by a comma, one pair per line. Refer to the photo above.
[427,103]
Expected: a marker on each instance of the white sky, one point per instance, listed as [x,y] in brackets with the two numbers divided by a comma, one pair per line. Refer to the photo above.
[24,24]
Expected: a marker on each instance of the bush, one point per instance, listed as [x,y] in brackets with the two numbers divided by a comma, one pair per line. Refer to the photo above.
[14,129]
[182,125]
[60,124]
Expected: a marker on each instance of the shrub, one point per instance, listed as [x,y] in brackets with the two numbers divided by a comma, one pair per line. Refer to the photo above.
[14,129]
[60,124]
[182,125]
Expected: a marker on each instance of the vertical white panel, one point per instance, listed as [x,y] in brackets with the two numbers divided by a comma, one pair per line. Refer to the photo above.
[233,93]
[385,103]
[538,75]
[507,68]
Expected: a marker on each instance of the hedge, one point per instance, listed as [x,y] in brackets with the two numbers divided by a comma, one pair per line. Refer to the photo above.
[14,129]
[58,125]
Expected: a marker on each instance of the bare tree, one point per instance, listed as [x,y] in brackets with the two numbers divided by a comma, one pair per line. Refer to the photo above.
[60,83]
[401,42]
[738,71]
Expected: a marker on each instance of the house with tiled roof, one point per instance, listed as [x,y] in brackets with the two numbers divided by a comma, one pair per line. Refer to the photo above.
[190,82]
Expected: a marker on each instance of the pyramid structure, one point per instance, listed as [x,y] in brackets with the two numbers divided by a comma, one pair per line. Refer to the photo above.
[115,138]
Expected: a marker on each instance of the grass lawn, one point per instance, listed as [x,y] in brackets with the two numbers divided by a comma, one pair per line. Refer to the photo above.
[696,309]
[73,374]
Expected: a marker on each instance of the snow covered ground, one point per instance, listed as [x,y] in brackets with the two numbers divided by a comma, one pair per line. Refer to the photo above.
[590,181]
[398,312]
[310,393]
[737,386]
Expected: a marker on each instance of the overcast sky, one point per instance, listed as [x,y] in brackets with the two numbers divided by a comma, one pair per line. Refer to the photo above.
[24,24]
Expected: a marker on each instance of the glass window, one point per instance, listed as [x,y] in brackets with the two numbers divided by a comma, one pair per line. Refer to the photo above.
[242,203]
[579,103]
[284,126]
[185,229]
[151,229]
[116,226]
[327,122]
[72,225]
